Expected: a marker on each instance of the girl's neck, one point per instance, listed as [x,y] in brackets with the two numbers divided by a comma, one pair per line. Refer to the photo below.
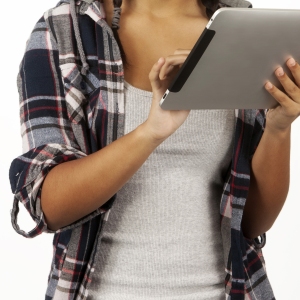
[165,8]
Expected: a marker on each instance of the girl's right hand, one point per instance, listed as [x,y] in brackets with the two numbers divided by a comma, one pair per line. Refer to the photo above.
[162,123]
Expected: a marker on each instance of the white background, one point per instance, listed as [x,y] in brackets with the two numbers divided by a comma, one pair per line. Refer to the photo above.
[25,263]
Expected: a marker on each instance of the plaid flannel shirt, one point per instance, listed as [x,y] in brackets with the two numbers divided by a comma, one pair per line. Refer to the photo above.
[66,115]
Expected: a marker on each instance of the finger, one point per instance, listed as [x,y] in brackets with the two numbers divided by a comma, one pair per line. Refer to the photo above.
[168,69]
[289,86]
[281,97]
[154,74]
[172,62]
[182,51]
[295,69]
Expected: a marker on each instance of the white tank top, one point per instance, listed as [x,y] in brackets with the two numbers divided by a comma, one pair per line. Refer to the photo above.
[162,239]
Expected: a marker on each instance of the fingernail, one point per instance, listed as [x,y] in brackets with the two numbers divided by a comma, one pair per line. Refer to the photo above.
[160,60]
[280,72]
[269,85]
[292,62]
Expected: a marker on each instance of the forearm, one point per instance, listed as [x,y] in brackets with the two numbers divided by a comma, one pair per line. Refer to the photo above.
[74,189]
[269,182]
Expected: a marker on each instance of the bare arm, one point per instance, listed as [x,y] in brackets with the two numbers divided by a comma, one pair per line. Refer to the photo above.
[76,188]
[271,162]
[269,183]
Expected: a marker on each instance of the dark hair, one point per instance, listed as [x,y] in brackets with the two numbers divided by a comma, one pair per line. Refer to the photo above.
[211,7]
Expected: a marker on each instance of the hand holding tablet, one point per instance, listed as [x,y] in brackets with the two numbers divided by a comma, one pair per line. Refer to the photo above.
[280,118]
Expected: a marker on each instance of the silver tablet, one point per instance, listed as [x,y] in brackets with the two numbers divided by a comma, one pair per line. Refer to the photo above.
[238,51]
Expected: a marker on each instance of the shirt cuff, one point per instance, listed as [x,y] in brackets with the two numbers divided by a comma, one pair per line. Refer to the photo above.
[27,174]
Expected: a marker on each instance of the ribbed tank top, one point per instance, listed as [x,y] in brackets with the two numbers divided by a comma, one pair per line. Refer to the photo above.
[162,239]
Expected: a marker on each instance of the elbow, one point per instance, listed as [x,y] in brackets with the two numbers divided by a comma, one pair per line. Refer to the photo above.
[50,209]
[253,234]
[51,217]
[252,230]
[51,224]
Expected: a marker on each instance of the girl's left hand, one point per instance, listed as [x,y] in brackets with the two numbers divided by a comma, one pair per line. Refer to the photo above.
[281,117]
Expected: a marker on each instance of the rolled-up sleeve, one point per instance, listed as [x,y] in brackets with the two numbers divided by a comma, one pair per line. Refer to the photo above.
[47,131]
[27,174]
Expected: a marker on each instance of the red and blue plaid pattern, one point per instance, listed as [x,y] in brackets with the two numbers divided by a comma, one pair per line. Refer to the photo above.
[66,115]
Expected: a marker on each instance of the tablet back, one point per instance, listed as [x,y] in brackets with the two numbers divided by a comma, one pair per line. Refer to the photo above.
[234,57]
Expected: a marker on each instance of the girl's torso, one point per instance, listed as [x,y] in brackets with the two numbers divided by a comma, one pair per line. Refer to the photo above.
[162,239]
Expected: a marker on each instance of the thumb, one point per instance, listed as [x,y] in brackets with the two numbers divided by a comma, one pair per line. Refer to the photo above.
[154,74]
